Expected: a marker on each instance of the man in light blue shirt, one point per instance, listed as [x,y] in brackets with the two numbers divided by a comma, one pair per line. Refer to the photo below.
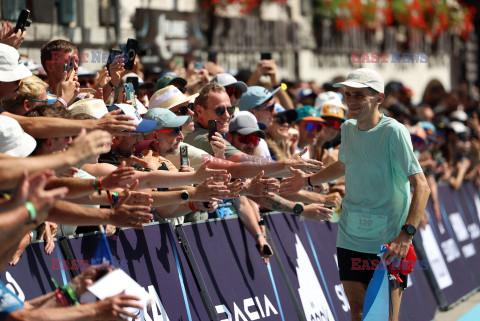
[376,157]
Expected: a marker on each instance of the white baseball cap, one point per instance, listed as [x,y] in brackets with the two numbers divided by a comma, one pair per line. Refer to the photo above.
[13,140]
[11,66]
[363,78]
[225,79]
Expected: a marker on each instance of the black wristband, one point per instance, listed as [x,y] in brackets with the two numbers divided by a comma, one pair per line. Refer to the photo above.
[261,222]
[111,84]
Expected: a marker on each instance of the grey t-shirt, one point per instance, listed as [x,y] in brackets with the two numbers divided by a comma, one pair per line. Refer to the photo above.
[199,139]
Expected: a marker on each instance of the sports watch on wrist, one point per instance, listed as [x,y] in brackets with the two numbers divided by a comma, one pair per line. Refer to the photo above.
[184,195]
[298,209]
[409,229]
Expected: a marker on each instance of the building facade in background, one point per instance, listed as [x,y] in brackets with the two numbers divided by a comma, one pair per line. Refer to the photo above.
[305,46]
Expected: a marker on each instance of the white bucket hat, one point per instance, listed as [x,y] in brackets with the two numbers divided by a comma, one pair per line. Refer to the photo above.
[11,66]
[13,140]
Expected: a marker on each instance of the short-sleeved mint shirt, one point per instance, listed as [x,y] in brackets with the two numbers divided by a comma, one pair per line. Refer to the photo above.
[378,163]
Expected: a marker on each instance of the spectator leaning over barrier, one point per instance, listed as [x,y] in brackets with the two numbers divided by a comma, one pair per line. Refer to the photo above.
[165,140]
[213,103]
[377,158]
[243,134]
[173,99]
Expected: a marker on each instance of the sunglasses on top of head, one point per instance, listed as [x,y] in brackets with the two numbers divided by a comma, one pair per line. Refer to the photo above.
[333,123]
[183,111]
[176,131]
[219,111]
[313,126]
[247,139]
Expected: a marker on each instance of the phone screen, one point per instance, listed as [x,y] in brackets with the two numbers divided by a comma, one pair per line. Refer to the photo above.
[130,93]
[184,155]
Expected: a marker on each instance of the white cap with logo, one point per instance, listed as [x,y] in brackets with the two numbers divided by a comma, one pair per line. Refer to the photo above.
[11,66]
[363,78]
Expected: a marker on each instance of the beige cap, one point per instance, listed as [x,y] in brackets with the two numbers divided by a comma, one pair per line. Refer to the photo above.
[90,106]
[169,97]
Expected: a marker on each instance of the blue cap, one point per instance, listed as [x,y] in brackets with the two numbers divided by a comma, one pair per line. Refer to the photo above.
[255,96]
[143,125]
[164,118]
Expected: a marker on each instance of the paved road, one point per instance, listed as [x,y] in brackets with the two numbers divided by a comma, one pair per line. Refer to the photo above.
[468,310]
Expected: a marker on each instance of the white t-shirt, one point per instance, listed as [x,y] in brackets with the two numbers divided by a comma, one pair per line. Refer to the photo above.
[306,155]
[262,149]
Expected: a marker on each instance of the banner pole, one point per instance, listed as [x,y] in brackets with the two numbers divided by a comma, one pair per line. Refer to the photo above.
[291,291]
[197,275]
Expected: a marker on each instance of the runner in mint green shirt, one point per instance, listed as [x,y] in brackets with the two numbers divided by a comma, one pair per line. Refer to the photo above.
[376,157]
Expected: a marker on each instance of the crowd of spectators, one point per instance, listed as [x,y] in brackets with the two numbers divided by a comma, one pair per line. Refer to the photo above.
[76,153]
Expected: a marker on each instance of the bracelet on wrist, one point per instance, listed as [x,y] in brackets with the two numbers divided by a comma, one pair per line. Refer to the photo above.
[64,103]
[32,211]
[258,235]
[97,184]
[112,197]
[111,84]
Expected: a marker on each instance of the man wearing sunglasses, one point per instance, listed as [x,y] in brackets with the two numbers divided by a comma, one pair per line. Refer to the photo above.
[377,160]
[309,124]
[213,103]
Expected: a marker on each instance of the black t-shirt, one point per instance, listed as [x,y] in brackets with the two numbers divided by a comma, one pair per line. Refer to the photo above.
[1,109]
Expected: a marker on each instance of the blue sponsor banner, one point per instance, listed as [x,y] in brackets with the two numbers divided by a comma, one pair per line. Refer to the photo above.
[456,224]
[241,286]
[31,276]
[444,260]
[152,257]
[307,250]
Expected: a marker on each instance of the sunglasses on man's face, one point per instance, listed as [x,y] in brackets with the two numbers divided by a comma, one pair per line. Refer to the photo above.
[282,120]
[313,126]
[269,107]
[219,111]
[183,111]
[332,123]
[232,90]
[249,139]
[176,131]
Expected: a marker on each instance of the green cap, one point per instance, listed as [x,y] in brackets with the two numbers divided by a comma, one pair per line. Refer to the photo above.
[167,79]
[309,113]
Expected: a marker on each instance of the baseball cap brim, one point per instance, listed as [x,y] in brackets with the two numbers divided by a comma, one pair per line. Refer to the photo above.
[177,122]
[291,114]
[250,131]
[145,126]
[333,117]
[25,146]
[21,71]
[350,83]
[313,119]
[240,86]
[272,92]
